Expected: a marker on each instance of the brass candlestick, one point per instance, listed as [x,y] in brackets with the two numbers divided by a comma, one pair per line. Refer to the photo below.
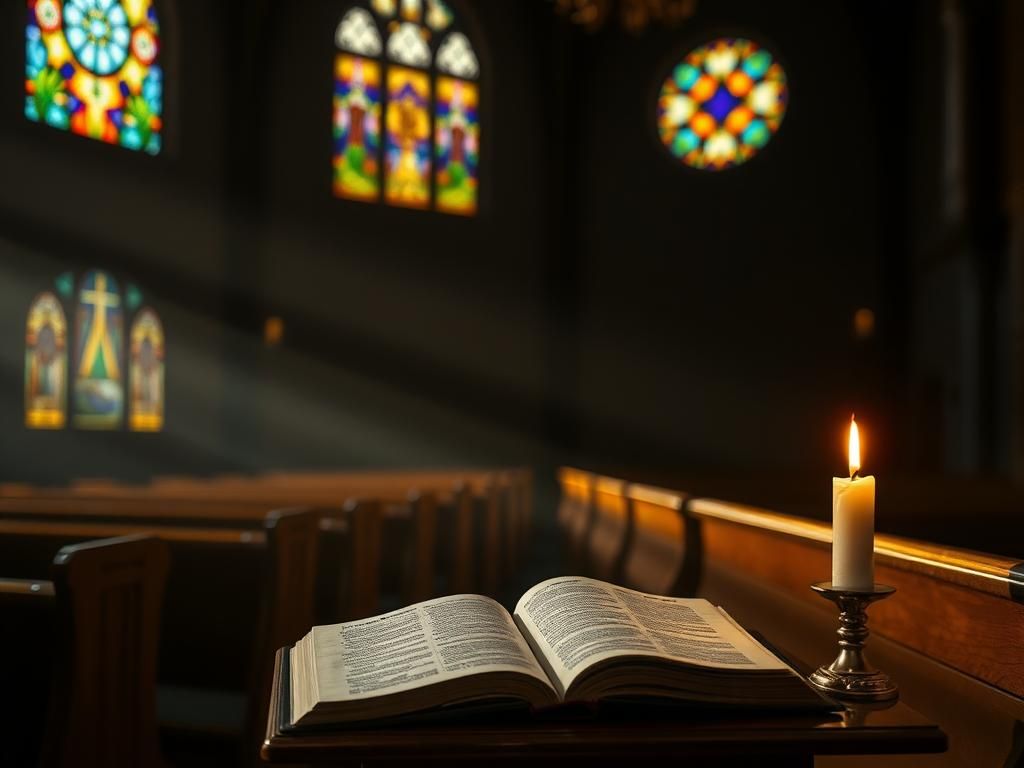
[850,676]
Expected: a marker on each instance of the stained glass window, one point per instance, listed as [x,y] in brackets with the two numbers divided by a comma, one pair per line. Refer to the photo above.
[95,372]
[99,358]
[146,352]
[406,107]
[46,356]
[91,67]
[408,138]
[722,103]
[458,131]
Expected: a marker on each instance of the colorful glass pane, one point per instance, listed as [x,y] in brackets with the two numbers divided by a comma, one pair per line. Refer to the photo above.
[722,104]
[46,339]
[439,15]
[98,361]
[456,57]
[147,373]
[358,33]
[407,45]
[357,100]
[458,145]
[91,67]
[411,10]
[407,149]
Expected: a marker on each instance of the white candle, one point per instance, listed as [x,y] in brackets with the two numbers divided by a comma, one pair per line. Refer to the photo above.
[853,524]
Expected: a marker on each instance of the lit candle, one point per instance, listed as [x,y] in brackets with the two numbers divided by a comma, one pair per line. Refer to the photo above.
[853,524]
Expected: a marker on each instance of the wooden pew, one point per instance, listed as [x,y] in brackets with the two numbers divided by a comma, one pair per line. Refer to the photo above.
[287,609]
[503,506]
[611,531]
[664,555]
[420,581]
[239,502]
[488,529]
[456,561]
[952,637]
[232,599]
[575,516]
[97,634]
[352,536]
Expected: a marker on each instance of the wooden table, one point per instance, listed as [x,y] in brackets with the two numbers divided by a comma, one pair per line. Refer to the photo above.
[693,741]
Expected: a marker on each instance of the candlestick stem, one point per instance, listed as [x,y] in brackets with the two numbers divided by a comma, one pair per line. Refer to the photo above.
[850,675]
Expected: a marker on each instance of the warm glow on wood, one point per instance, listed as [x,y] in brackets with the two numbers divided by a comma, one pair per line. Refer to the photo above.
[854,451]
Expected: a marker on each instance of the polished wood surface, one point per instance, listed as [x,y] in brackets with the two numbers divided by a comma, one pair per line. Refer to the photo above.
[950,605]
[13,588]
[611,530]
[664,554]
[977,570]
[687,739]
[89,530]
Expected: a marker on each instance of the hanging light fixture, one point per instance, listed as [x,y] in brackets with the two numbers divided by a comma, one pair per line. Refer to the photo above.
[634,15]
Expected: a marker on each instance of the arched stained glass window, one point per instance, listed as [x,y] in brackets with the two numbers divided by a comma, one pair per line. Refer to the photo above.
[92,68]
[406,107]
[97,371]
[99,357]
[722,103]
[46,360]
[146,352]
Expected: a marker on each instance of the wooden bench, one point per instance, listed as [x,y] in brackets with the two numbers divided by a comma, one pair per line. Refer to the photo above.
[233,597]
[575,516]
[952,636]
[96,629]
[230,502]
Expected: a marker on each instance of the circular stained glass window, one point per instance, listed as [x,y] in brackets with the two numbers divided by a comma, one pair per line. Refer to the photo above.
[722,104]
[98,34]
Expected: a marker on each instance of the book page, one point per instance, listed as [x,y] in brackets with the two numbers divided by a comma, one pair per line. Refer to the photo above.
[573,623]
[425,643]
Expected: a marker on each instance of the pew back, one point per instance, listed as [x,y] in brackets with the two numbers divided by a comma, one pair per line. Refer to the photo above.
[663,557]
[103,706]
[611,531]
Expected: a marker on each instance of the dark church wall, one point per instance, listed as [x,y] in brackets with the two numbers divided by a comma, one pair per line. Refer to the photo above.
[607,306]
[413,337]
[715,313]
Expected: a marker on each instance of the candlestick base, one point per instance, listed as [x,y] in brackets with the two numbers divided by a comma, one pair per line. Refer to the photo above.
[850,676]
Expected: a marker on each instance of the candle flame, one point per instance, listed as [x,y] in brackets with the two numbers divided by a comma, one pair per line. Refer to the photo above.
[854,451]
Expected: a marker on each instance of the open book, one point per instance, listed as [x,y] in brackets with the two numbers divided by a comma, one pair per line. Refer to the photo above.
[569,639]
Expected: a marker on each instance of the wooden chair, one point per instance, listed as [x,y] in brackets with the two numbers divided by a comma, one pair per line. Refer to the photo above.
[664,557]
[611,531]
[100,620]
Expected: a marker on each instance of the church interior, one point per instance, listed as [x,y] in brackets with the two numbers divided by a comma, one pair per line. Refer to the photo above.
[313,311]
